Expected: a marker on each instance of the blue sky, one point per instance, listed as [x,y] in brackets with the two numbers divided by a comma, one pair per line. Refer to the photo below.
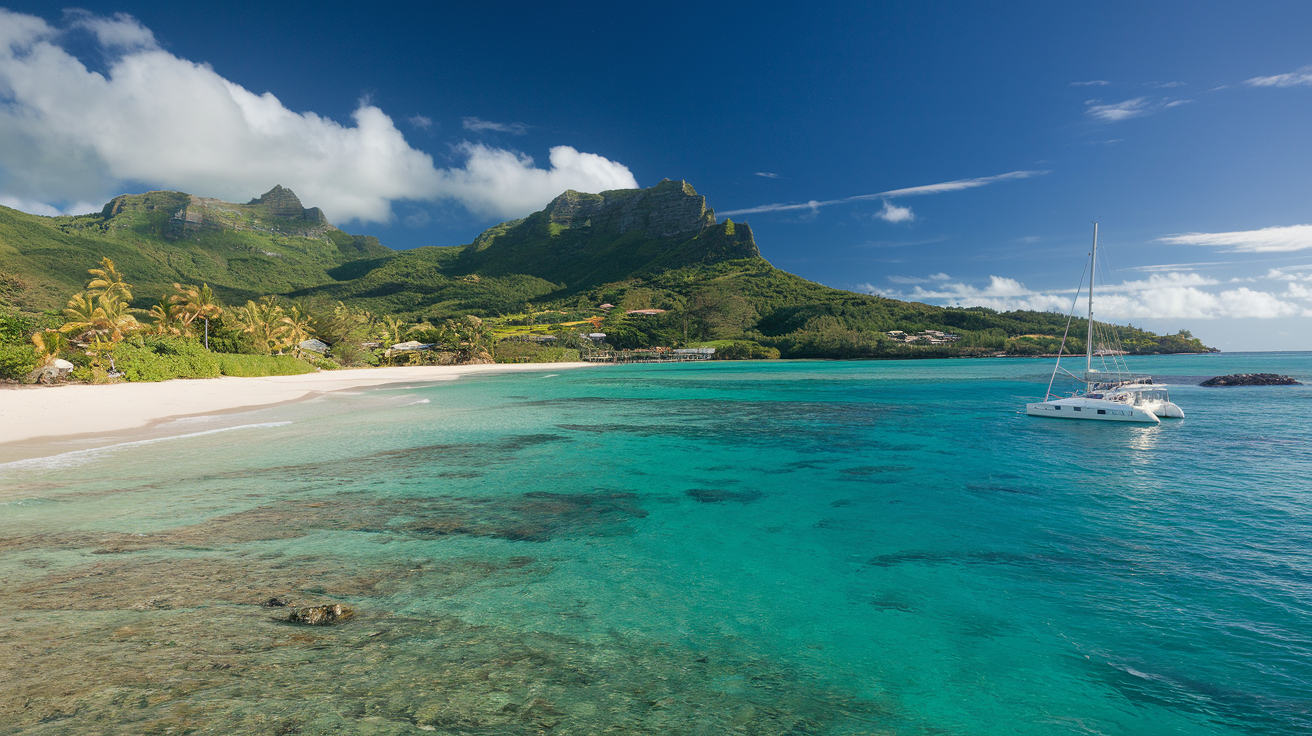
[1181,127]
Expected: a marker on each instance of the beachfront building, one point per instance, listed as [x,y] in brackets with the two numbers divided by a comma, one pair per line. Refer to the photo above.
[927,337]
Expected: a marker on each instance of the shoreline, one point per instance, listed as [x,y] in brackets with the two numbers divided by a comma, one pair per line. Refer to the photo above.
[41,415]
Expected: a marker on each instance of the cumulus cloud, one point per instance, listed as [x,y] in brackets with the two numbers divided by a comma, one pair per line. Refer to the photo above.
[1169,295]
[893,213]
[1297,78]
[121,33]
[68,134]
[477,125]
[1289,274]
[947,186]
[504,183]
[1267,240]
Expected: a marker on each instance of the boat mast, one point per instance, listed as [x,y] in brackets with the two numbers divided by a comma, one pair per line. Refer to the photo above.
[1088,345]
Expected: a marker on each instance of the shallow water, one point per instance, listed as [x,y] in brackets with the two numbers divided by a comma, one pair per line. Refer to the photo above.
[815,547]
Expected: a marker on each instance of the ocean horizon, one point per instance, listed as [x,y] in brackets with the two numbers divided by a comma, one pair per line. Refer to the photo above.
[779,547]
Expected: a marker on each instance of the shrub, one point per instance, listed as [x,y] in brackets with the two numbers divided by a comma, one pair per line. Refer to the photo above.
[321,362]
[744,350]
[16,361]
[162,358]
[509,351]
[249,366]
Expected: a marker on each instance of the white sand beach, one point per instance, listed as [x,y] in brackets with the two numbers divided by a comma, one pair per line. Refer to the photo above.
[29,413]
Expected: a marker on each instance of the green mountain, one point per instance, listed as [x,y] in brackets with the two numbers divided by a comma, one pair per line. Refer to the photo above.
[269,245]
[650,249]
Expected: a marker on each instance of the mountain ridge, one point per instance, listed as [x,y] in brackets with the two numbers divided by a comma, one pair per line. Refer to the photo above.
[659,248]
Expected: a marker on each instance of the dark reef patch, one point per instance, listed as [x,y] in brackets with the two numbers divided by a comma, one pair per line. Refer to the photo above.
[723,495]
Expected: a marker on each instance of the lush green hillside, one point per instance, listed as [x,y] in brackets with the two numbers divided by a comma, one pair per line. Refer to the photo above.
[268,246]
[652,249]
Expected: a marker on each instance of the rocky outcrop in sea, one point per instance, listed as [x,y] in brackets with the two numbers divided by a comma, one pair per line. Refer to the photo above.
[1251,379]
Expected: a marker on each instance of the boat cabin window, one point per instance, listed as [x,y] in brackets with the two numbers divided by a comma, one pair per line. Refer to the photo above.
[1076,408]
[1102,411]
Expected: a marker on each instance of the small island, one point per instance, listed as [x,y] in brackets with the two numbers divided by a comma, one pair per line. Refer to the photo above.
[1251,379]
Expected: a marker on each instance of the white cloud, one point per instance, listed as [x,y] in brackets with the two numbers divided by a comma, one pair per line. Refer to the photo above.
[1120,110]
[68,134]
[504,183]
[1296,78]
[1091,83]
[120,33]
[893,213]
[1137,107]
[1167,296]
[947,186]
[423,122]
[476,125]
[1168,85]
[768,175]
[1284,274]
[32,206]
[1266,240]
[1298,291]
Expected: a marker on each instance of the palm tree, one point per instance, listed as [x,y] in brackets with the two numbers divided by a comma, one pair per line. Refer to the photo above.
[81,315]
[108,282]
[103,316]
[49,344]
[263,320]
[394,329]
[170,318]
[298,322]
[198,303]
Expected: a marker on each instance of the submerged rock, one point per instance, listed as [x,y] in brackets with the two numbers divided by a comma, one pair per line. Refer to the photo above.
[720,495]
[274,602]
[320,615]
[1251,379]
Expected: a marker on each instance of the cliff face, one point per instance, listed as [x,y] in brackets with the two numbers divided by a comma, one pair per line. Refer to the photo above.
[583,239]
[668,210]
[283,203]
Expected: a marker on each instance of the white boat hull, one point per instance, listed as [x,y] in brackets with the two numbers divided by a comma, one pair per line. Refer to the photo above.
[1098,410]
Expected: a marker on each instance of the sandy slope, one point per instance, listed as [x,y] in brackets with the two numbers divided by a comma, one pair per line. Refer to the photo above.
[30,413]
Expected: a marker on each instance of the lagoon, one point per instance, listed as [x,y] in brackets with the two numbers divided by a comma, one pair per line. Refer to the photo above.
[756,547]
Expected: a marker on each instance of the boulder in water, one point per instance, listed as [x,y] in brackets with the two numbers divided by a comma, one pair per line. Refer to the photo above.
[1251,379]
[320,615]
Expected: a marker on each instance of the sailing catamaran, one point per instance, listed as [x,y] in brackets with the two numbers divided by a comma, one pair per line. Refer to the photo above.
[1115,395]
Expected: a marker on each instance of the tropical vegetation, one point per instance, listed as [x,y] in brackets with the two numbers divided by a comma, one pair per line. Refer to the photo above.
[646,268]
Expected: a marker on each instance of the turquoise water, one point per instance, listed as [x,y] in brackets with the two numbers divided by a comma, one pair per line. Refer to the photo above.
[783,547]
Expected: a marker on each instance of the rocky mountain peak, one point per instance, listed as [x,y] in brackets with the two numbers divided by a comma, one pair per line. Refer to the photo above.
[669,209]
[283,202]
